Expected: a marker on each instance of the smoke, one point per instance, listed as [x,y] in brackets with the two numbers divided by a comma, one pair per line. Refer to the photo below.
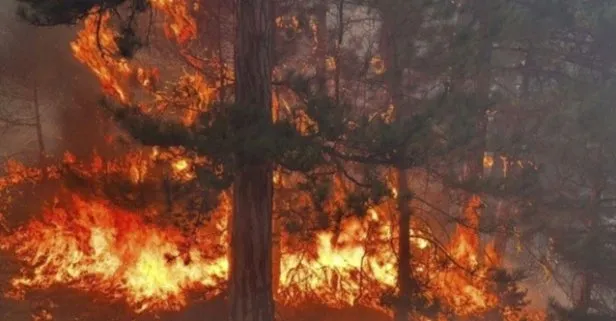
[542,285]
[36,65]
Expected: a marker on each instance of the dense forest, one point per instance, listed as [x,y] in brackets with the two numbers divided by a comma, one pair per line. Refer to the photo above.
[261,160]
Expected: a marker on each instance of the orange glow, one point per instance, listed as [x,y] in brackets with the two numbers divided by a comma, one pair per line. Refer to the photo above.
[95,247]
[89,49]
[472,293]
[179,24]
[180,165]
[92,246]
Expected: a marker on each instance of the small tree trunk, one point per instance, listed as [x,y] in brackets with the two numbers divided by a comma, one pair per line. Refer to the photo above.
[483,82]
[583,297]
[276,253]
[39,125]
[340,36]
[321,46]
[250,274]
[404,247]
[393,79]
[474,163]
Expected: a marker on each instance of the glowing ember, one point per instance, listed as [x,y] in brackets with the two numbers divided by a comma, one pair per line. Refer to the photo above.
[180,165]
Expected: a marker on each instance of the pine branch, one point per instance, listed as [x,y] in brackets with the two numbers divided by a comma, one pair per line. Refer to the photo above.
[152,131]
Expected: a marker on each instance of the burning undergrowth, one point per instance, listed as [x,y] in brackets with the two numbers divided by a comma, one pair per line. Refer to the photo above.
[85,242]
[92,246]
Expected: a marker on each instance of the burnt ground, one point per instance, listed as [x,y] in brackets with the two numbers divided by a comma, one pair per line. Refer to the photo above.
[71,305]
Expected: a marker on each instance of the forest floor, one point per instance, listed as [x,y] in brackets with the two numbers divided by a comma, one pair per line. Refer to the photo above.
[71,305]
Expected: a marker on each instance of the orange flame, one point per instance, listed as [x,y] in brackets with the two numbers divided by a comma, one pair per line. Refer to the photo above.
[96,47]
[113,252]
[92,246]
[180,25]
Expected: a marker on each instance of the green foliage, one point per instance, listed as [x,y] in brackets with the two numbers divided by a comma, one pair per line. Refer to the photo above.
[51,13]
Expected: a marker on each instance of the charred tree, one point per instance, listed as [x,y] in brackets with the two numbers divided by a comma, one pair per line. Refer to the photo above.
[390,49]
[404,247]
[320,12]
[250,279]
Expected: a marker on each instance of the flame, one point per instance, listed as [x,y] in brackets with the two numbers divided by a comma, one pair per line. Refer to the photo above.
[471,293]
[180,165]
[90,245]
[180,25]
[377,64]
[94,246]
[96,47]
[488,160]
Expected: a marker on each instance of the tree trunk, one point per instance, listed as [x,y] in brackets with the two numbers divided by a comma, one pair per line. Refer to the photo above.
[320,13]
[483,82]
[390,52]
[250,277]
[39,125]
[476,157]
[583,297]
[340,38]
[276,253]
[404,247]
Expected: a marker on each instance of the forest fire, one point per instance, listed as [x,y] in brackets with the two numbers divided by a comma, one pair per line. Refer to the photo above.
[94,247]
[91,245]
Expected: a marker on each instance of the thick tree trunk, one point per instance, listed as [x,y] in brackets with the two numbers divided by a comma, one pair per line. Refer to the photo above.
[250,277]
[250,286]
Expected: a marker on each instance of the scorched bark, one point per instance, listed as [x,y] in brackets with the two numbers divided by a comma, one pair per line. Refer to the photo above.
[250,279]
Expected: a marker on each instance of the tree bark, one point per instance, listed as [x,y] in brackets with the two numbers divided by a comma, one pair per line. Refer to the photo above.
[320,13]
[340,37]
[39,126]
[401,312]
[276,253]
[250,277]
[390,52]
[483,82]
[583,298]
